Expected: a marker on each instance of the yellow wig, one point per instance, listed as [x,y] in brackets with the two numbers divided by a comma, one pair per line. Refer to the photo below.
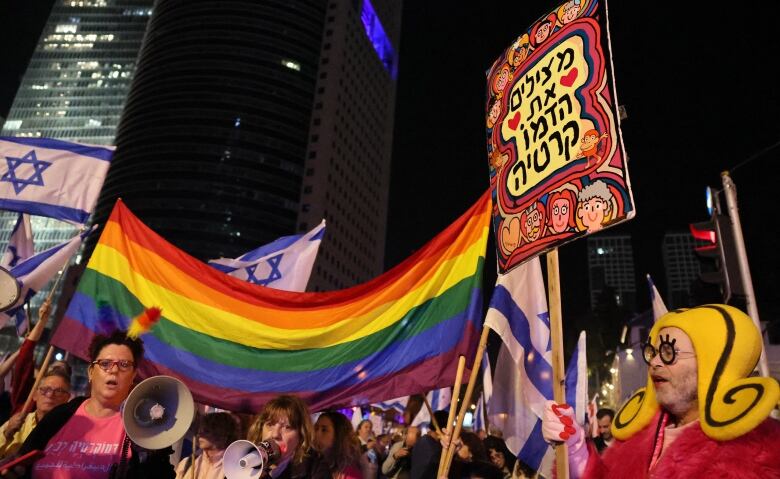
[727,346]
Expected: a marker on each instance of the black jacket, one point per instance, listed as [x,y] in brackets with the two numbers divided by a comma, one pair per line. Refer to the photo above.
[155,464]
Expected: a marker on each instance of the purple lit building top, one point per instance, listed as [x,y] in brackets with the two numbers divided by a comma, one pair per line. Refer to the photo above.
[376,33]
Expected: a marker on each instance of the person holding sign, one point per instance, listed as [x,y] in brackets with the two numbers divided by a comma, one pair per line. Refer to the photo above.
[701,414]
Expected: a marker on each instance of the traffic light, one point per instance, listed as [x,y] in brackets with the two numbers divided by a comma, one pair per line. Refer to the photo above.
[716,240]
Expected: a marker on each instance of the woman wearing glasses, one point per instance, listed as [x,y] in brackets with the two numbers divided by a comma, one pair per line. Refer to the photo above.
[54,389]
[85,438]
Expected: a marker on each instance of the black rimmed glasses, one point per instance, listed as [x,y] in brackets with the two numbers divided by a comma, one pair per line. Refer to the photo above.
[666,351]
[106,364]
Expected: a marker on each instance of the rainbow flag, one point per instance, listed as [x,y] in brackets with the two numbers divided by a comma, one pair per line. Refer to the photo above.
[237,345]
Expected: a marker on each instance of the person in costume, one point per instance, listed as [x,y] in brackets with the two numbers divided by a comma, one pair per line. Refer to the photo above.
[701,413]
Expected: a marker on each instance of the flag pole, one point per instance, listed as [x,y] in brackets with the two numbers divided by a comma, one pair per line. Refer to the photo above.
[430,412]
[475,368]
[556,336]
[453,407]
[45,365]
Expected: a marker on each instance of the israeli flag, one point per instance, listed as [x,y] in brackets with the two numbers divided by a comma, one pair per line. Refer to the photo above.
[35,272]
[20,243]
[439,399]
[53,178]
[523,377]
[479,415]
[522,380]
[399,404]
[283,264]
[659,308]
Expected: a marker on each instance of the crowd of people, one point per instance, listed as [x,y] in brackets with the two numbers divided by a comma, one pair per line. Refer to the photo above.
[702,411]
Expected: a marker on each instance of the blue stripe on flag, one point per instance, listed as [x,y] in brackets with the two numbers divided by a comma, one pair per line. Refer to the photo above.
[43,209]
[535,447]
[538,370]
[93,151]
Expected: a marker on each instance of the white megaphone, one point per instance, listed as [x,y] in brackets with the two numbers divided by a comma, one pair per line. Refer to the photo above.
[247,460]
[158,412]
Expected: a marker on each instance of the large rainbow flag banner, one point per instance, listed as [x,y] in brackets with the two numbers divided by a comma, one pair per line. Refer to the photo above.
[237,345]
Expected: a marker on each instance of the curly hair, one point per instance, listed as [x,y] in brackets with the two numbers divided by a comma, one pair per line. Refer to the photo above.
[346,445]
[296,412]
[499,445]
[118,337]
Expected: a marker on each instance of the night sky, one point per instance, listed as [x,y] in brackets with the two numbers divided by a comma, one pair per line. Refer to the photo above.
[698,83]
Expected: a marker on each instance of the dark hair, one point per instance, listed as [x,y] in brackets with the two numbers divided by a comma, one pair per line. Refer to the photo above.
[220,428]
[499,445]
[441,417]
[120,338]
[476,448]
[57,373]
[346,445]
[605,412]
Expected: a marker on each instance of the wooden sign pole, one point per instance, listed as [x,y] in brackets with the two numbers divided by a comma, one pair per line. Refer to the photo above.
[556,336]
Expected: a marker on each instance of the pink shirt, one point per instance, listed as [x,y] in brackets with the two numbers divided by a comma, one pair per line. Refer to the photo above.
[85,448]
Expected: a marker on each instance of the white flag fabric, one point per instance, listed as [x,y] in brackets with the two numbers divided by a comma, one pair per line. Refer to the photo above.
[20,243]
[659,308]
[399,404]
[523,376]
[285,264]
[439,399]
[487,379]
[479,415]
[53,178]
[357,417]
[35,272]
[577,381]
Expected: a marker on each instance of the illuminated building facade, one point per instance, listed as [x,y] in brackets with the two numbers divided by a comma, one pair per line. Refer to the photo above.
[77,80]
[251,120]
[611,265]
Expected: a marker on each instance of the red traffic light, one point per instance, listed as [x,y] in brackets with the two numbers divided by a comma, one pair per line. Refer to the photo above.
[706,232]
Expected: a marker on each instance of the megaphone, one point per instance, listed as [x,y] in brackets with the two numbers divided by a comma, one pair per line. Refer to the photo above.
[9,289]
[247,460]
[158,412]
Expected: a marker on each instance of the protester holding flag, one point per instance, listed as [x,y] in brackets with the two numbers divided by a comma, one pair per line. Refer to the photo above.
[94,424]
[701,414]
[398,462]
[426,454]
[53,390]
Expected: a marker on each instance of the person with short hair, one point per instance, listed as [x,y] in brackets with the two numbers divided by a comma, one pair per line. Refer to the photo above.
[53,390]
[85,438]
[701,414]
[426,453]
[216,432]
[604,418]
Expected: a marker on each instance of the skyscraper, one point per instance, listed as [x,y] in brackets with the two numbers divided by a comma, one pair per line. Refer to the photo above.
[682,268]
[611,265]
[251,120]
[75,85]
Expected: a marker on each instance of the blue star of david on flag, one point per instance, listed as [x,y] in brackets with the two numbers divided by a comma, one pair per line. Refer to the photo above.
[274,275]
[35,178]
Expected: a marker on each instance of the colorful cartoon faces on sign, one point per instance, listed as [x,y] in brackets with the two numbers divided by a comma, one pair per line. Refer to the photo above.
[560,211]
[569,11]
[519,51]
[548,135]
[510,234]
[595,206]
[501,79]
[532,221]
[495,111]
[542,30]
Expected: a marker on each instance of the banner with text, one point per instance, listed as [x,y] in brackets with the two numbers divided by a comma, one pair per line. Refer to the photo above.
[557,162]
